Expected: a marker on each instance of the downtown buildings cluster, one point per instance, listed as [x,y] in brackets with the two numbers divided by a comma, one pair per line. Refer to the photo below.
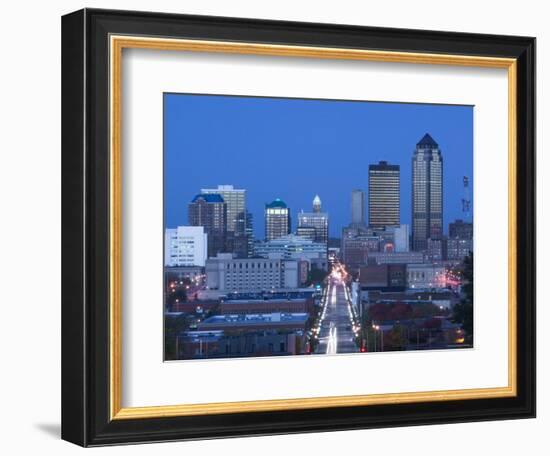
[219,237]
[384,240]
[235,295]
[251,297]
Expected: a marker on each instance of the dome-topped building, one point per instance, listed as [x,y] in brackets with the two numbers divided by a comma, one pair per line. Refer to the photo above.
[277,203]
[277,219]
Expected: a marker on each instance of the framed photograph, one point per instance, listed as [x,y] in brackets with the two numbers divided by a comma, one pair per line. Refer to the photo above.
[278,227]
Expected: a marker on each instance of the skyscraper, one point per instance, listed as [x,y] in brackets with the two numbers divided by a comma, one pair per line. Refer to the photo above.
[427,193]
[461,229]
[210,211]
[306,232]
[383,195]
[358,207]
[277,219]
[317,220]
[235,200]
[249,231]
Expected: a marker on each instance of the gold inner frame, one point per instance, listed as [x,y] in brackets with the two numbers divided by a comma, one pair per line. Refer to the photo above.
[117,44]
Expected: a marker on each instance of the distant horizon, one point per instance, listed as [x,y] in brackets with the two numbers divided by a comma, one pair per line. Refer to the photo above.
[294,144]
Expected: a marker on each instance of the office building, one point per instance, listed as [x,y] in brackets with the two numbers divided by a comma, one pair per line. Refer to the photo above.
[427,193]
[237,231]
[317,220]
[210,212]
[384,202]
[228,274]
[249,232]
[458,249]
[277,220]
[235,200]
[306,232]
[185,246]
[383,276]
[460,242]
[357,243]
[401,238]
[294,247]
[460,229]
[436,250]
[396,257]
[358,207]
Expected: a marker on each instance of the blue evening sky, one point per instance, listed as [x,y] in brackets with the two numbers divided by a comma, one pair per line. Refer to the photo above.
[295,148]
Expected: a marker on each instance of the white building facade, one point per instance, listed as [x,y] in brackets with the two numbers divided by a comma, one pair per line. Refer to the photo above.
[185,246]
[228,274]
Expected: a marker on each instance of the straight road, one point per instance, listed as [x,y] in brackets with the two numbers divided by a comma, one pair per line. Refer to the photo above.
[336,324]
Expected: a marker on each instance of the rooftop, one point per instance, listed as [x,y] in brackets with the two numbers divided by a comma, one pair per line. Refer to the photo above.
[251,319]
[427,141]
[265,296]
[383,166]
[208,197]
[222,188]
[276,203]
[265,301]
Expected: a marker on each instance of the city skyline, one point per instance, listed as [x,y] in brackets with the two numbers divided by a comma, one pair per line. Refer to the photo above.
[450,125]
[265,180]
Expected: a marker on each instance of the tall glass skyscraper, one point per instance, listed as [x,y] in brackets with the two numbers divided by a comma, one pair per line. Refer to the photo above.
[235,199]
[210,211]
[427,193]
[358,207]
[236,235]
[383,195]
[277,220]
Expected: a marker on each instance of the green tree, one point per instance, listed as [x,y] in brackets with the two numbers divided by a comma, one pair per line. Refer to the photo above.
[396,339]
[463,312]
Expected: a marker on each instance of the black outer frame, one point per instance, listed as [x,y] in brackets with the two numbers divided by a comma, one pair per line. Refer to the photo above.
[85,227]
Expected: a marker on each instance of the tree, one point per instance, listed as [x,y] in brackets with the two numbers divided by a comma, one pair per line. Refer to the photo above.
[173,327]
[400,311]
[463,312]
[396,339]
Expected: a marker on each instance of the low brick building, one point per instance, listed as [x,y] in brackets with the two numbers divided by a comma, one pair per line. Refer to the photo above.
[254,306]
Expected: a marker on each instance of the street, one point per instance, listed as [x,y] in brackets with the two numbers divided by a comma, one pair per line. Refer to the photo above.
[336,325]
